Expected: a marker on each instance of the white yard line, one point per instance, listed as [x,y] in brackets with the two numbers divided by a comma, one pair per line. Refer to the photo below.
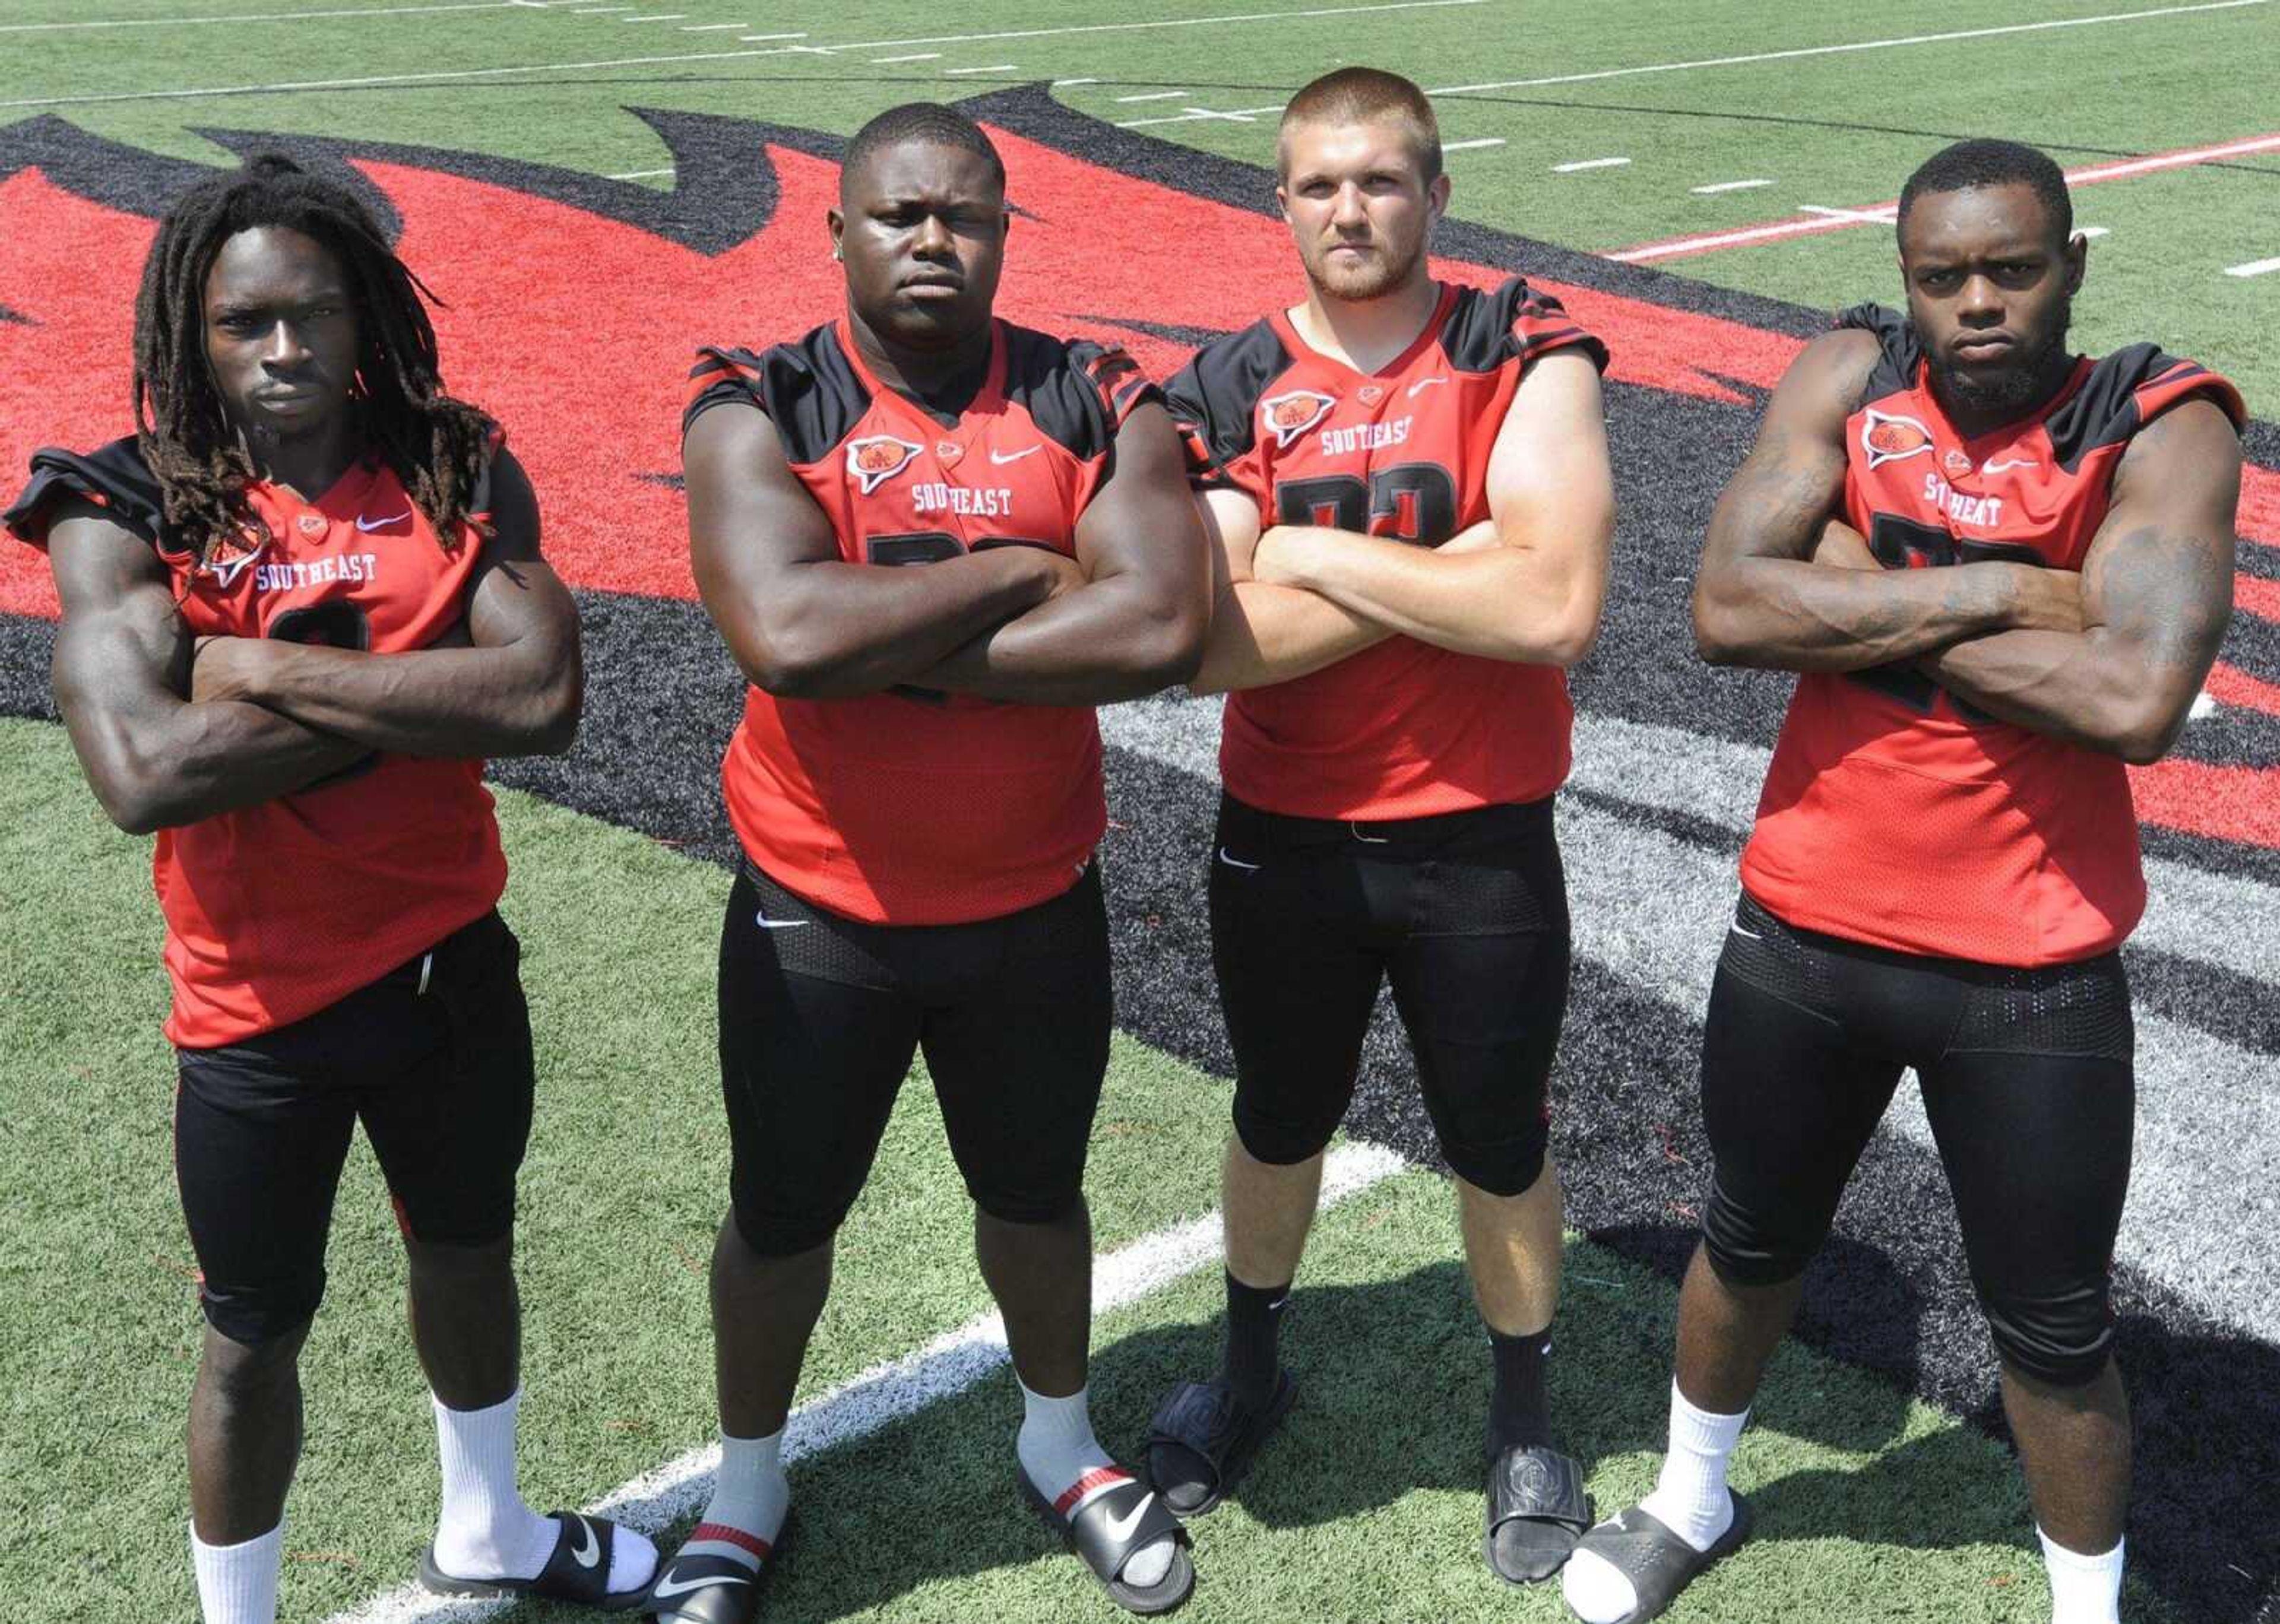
[950,1365]
[1727,186]
[923,55]
[661,17]
[642,175]
[1821,51]
[2093,231]
[451,75]
[2254,267]
[1823,219]
[1472,146]
[996,67]
[713,27]
[1589,163]
[1063,84]
[184,22]
[1154,95]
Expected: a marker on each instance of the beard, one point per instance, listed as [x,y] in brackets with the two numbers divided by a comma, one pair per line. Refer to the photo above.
[2016,386]
[1370,279]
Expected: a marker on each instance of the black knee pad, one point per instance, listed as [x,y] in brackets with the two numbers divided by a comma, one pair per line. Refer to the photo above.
[1026,1209]
[2064,1343]
[1279,1144]
[1747,1251]
[785,1234]
[269,1313]
[1506,1167]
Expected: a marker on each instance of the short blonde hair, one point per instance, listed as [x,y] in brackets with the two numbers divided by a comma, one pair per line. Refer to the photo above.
[1364,95]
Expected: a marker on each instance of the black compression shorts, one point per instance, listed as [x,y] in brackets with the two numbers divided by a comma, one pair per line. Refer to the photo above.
[1466,912]
[434,1059]
[819,1018]
[2027,1083]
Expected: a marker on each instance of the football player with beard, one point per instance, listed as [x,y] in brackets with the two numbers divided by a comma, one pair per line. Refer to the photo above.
[2003,570]
[1407,485]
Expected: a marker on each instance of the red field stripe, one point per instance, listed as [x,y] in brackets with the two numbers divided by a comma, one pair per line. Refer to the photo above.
[2089,174]
[2259,505]
[2238,804]
[2256,596]
[2229,685]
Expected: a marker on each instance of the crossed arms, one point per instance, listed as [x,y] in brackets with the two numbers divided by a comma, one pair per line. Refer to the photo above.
[1006,622]
[171,729]
[2111,659]
[1524,585]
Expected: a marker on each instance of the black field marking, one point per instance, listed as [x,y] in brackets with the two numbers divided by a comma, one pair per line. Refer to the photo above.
[1194,338]
[2218,856]
[13,318]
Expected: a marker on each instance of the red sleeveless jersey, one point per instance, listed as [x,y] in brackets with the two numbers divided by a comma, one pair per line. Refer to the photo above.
[1403,729]
[908,808]
[1894,813]
[277,909]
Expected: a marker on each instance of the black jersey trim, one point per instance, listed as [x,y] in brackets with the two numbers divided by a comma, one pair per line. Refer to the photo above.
[1215,400]
[2107,411]
[1076,392]
[1899,352]
[807,389]
[1484,331]
[114,478]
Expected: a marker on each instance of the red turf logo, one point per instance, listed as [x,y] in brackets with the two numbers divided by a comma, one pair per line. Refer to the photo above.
[1889,438]
[1292,414]
[876,459]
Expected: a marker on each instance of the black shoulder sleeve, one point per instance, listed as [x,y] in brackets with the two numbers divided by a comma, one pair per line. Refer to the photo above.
[1215,399]
[807,389]
[1482,331]
[114,478]
[1077,392]
[2125,391]
[1898,350]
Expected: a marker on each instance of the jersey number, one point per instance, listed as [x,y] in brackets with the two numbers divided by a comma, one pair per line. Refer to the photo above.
[1904,545]
[927,547]
[329,625]
[1415,502]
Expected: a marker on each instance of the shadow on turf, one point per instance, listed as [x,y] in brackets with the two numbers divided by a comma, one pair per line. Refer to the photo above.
[1394,1381]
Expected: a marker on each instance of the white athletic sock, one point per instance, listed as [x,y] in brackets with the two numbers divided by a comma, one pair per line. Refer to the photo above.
[237,1584]
[749,1499]
[2084,1590]
[1689,1499]
[483,1530]
[1065,1460]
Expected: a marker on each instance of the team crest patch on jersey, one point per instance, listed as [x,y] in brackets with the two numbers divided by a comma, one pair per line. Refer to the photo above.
[876,459]
[226,557]
[1958,465]
[311,525]
[1888,438]
[1370,394]
[947,452]
[1293,414]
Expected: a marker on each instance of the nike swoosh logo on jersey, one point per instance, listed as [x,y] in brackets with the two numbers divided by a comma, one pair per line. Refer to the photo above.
[1236,862]
[1424,383]
[2007,464]
[1120,1528]
[589,1550]
[766,923]
[1002,457]
[369,525]
[667,1588]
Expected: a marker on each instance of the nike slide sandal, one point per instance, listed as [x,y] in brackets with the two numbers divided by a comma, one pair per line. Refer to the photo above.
[1110,1529]
[1537,1511]
[704,1589]
[577,1571]
[1203,1440]
[1659,1564]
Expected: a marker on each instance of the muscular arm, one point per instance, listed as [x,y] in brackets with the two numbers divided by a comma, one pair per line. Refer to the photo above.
[2156,595]
[122,662]
[1760,600]
[1534,599]
[801,621]
[510,687]
[1136,623]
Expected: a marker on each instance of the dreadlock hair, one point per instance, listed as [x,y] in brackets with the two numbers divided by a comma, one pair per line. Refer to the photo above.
[930,122]
[1969,164]
[436,445]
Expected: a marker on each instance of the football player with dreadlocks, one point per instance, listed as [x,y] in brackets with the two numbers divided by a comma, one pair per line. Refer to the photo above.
[300,606]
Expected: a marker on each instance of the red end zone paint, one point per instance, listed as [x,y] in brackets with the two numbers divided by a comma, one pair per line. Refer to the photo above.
[580,342]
